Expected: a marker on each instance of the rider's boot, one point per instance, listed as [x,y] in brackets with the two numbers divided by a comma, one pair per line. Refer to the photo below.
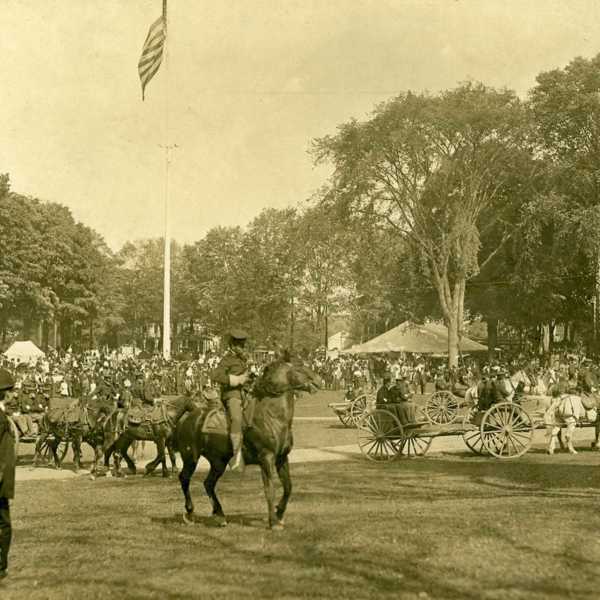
[237,461]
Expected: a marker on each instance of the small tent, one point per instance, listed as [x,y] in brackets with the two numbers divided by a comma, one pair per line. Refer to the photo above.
[24,352]
[429,338]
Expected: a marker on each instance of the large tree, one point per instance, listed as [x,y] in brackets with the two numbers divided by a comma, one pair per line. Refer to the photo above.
[565,104]
[432,169]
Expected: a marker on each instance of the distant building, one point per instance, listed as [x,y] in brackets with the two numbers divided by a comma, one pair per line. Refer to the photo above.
[338,341]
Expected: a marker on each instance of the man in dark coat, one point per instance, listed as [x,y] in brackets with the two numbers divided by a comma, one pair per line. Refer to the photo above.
[7,472]
[385,394]
[232,374]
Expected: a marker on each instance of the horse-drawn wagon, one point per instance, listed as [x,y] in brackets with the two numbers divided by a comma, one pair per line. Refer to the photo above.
[505,430]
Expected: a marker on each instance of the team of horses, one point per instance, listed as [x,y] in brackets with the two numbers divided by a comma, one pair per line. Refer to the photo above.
[177,424]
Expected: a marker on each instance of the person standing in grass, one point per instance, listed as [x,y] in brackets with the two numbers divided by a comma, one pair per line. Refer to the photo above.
[7,471]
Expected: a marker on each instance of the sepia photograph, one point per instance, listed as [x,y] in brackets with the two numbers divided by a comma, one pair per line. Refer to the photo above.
[300,299]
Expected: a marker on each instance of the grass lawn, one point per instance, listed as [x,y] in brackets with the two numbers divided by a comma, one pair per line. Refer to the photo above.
[443,527]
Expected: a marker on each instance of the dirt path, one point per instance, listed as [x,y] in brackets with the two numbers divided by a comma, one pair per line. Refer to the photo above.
[304,455]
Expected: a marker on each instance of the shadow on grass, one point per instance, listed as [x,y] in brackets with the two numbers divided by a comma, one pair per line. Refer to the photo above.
[243,520]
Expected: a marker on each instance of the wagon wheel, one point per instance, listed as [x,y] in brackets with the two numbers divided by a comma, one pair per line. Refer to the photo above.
[471,433]
[61,451]
[380,435]
[507,430]
[357,409]
[344,417]
[416,445]
[442,407]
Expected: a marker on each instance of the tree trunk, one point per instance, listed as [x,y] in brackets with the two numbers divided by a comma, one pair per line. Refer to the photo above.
[292,323]
[326,329]
[452,302]
[453,341]
[492,337]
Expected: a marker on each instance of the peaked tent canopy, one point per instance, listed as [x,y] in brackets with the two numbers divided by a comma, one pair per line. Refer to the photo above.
[24,352]
[430,338]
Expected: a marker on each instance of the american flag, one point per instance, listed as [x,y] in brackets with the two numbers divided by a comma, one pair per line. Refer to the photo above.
[152,51]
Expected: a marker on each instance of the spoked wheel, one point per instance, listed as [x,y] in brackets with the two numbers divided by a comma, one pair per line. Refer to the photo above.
[61,451]
[506,430]
[345,418]
[380,435]
[471,433]
[416,445]
[358,409]
[442,407]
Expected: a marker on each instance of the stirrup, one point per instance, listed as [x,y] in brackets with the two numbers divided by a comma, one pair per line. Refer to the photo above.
[237,462]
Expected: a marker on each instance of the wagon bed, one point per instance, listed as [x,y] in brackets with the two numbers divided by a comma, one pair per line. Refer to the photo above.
[504,431]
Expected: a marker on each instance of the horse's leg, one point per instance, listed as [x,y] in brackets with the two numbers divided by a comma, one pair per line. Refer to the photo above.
[172,457]
[53,445]
[189,466]
[283,470]
[569,435]
[596,433]
[163,455]
[124,453]
[151,466]
[94,468]
[554,432]
[217,468]
[267,470]
[560,439]
[160,458]
[120,447]
[37,455]
[76,445]
[108,452]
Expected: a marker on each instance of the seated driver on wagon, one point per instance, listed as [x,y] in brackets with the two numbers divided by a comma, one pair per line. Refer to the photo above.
[396,398]
[490,389]
[232,373]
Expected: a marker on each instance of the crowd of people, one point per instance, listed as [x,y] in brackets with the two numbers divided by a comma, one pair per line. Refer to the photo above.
[423,374]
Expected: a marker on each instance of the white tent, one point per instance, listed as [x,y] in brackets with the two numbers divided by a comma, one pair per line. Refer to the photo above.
[430,338]
[24,352]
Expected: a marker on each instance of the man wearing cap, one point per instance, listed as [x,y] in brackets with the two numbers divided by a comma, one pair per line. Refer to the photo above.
[7,472]
[385,394]
[232,374]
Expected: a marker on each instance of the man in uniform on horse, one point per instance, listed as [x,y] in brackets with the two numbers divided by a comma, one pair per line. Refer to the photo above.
[232,374]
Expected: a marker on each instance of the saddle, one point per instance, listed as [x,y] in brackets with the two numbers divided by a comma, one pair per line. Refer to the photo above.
[217,419]
[71,415]
[154,415]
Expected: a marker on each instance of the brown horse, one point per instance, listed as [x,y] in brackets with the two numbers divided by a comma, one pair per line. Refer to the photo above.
[157,426]
[267,439]
[76,425]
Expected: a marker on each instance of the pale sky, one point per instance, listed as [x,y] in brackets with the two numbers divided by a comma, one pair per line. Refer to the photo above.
[250,83]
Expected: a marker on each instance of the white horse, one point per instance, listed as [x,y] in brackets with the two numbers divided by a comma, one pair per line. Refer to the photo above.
[568,410]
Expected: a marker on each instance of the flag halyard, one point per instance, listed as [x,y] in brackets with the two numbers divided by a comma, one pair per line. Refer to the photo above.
[152,52]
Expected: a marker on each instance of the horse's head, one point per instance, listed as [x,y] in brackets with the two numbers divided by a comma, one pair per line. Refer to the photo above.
[280,377]
[303,378]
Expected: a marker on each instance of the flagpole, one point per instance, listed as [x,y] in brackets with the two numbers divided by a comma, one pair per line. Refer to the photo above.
[167,248]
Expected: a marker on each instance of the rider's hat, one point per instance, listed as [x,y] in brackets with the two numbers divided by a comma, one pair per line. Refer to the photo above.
[7,381]
[237,334]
